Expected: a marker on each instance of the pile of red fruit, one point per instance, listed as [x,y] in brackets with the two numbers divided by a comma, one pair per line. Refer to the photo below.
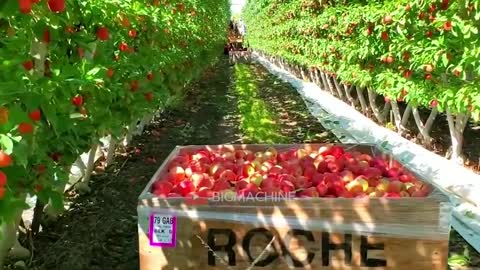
[329,171]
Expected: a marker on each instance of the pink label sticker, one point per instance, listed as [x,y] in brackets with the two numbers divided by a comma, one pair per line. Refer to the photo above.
[163,230]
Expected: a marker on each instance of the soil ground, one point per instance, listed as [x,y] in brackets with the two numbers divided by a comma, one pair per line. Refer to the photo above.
[99,232]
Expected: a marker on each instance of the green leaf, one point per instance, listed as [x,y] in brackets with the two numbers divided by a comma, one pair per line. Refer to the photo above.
[444,60]
[22,152]
[7,144]
[458,260]
[94,71]
[76,115]
[57,200]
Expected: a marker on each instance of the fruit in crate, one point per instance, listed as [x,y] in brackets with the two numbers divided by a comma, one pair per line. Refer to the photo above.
[329,171]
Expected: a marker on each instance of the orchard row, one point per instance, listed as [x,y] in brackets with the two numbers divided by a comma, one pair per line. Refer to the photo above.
[423,52]
[412,52]
[77,71]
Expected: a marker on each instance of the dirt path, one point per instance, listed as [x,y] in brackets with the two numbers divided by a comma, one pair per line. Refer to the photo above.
[99,232]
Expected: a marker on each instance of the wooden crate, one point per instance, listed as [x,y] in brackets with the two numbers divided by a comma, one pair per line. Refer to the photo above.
[320,233]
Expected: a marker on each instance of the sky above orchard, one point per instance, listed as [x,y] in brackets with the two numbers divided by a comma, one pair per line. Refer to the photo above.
[237,5]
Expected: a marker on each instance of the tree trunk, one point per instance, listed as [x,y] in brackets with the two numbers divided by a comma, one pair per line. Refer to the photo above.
[373,105]
[456,125]
[363,102]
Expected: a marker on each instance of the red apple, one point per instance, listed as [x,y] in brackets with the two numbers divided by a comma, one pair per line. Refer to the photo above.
[162,188]
[177,173]
[287,186]
[249,190]
[270,182]
[228,175]
[393,172]
[241,184]
[322,189]
[395,187]
[216,169]
[221,185]
[310,192]
[205,192]
[240,154]
[248,170]
[276,170]
[317,179]
[372,173]
[186,186]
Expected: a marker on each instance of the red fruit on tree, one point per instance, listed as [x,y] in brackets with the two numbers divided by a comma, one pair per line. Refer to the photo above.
[406,56]
[421,16]
[407,74]
[110,73]
[132,33]
[134,86]
[25,6]
[432,8]
[445,4]
[123,46]
[5,159]
[428,76]
[449,56]
[149,96]
[3,179]
[387,19]
[369,31]
[150,76]
[35,115]
[433,103]
[2,193]
[385,35]
[408,8]
[77,100]
[389,59]
[447,26]
[40,168]
[456,72]
[46,36]
[25,128]
[429,34]
[125,22]
[37,188]
[56,5]
[28,65]
[102,33]
[81,52]
[429,68]
[70,29]
[56,157]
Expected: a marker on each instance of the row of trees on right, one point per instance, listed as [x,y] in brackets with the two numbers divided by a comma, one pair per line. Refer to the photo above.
[420,55]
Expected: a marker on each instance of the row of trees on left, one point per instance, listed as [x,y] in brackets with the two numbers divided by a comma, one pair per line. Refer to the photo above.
[74,71]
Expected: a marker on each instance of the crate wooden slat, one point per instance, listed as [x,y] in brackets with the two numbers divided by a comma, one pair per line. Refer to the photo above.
[378,233]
